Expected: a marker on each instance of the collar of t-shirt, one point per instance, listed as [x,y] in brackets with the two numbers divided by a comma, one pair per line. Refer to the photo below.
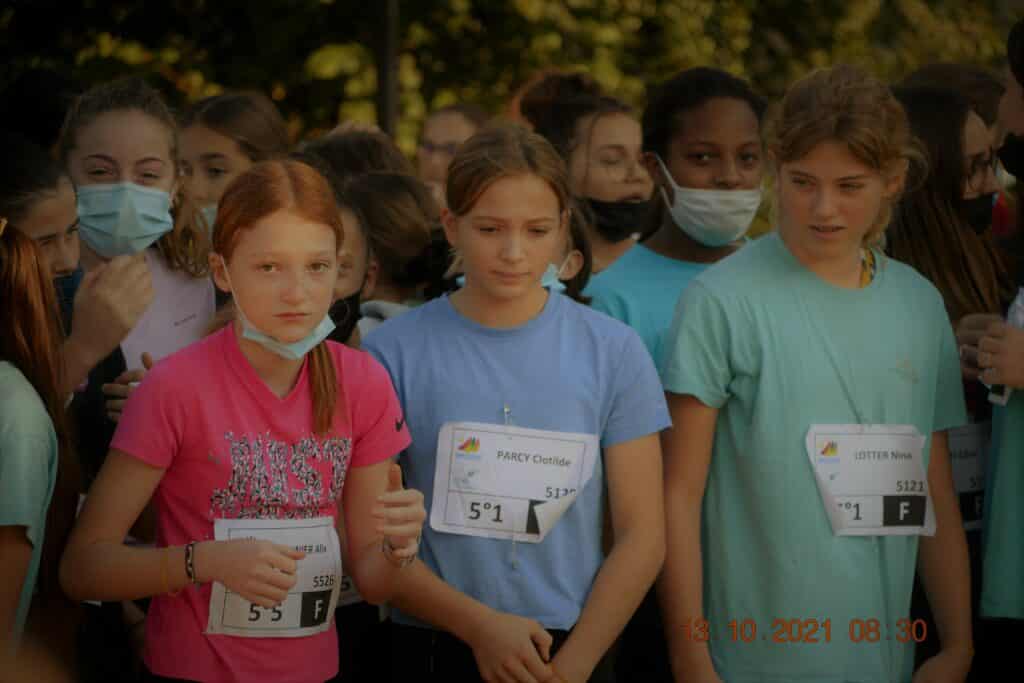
[551,309]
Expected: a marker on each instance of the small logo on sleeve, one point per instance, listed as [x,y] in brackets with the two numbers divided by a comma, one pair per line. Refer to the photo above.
[399,423]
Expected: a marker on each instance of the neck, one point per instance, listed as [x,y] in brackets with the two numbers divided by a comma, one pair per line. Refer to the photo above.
[604,253]
[90,259]
[841,270]
[388,291]
[670,241]
[499,314]
[279,374]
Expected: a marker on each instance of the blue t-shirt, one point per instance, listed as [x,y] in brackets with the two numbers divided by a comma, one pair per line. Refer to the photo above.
[568,369]
[28,472]
[641,288]
[777,350]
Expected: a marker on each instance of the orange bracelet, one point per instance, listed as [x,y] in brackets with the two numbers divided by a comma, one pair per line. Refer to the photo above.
[163,571]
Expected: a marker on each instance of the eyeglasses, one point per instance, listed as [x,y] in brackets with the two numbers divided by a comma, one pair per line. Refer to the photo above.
[447,148]
[978,168]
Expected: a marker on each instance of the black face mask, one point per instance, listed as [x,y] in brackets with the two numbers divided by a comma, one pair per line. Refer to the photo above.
[1012,155]
[345,314]
[616,221]
[67,287]
[978,212]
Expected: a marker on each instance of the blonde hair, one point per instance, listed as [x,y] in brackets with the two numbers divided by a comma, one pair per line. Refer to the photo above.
[847,105]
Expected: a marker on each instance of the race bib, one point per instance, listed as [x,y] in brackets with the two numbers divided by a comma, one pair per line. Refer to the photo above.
[507,482]
[968,451]
[310,604]
[872,479]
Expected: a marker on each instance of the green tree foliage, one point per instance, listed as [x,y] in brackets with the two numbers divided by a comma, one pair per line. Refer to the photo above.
[317,58]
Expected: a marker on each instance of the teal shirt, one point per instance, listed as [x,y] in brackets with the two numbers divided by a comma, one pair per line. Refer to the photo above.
[641,288]
[776,350]
[1002,588]
[28,471]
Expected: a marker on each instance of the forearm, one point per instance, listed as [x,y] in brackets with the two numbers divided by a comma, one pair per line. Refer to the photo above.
[625,577]
[377,577]
[78,359]
[945,572]
[423,595]
[112,572]
[680,588]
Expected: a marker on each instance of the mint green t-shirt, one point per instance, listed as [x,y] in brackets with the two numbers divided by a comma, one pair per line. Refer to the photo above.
[1002,589]
[28,471]
[777,350]
[641,288]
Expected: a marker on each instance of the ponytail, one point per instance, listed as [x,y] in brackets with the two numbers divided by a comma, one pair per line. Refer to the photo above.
[323,382]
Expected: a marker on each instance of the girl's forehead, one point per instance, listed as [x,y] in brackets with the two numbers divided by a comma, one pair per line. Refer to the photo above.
[127,136]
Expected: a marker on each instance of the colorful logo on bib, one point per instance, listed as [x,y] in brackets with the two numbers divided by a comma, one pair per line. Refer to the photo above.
[831,449]
[469,447]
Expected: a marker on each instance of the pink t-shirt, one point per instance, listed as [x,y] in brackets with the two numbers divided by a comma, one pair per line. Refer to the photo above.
[233,449]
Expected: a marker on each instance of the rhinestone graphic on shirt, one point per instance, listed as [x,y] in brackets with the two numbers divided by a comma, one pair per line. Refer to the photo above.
[271,479]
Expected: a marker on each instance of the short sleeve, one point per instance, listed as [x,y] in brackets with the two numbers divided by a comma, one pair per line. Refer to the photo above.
[27,470]
[378,423]
[697,347]
[637,405]
[950,410]
[152,424]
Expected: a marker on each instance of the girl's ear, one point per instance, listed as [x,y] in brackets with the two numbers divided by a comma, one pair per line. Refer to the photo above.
[571,266]
[896,179]
[218,270]
[370,282]
[448,222]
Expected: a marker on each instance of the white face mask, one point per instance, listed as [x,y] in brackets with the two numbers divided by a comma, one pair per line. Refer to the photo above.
[713,218]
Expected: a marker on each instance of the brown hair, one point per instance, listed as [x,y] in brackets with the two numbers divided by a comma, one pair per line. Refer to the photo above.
[353,153]
[247,117]
[31,343]
[982,88]
[184,247]
[930,229]
[847,105]
[499,152]
[400,218]
[265,188]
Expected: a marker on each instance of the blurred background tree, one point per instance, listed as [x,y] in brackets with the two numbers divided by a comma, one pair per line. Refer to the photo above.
[318,58]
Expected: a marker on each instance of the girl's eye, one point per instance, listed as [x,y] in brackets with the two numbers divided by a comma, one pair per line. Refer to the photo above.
[851,187]
[800,182]
[487,229]
[700,157]
[266,267]
[97,172]
[321,267]
[45,242]
[540,231]
[215,173]
[750,158]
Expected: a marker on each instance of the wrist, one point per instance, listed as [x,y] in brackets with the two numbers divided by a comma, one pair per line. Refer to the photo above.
[84,349]
[474,623]
[204,561]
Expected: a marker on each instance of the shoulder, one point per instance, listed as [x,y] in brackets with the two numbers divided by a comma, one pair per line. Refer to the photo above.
[200,359]
[602,330]
[389,335]
[904,281]
[21,409]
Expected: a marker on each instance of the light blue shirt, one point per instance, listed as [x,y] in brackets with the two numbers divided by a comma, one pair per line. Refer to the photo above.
[569,369]
[776,350]
[641,288]
[28,472]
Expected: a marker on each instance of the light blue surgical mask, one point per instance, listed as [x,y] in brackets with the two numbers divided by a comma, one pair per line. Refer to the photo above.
[209,213]
[122,218]
[550,279]
[293,351]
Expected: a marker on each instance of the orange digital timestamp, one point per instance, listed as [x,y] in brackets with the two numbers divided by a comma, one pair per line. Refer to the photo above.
[806,631]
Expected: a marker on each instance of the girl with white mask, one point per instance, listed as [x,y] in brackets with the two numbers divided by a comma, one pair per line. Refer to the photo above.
[702,147]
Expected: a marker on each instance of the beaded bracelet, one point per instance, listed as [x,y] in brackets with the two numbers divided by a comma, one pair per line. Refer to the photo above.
[190,567]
